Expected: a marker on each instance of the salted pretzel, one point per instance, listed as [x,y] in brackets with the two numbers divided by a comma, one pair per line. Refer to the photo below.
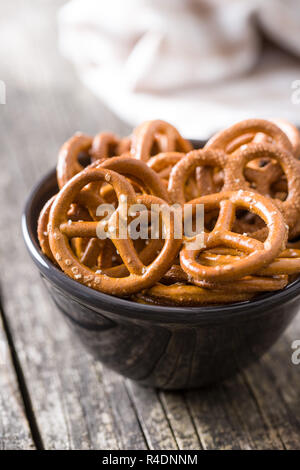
[187,295]
[250,131]
[291,132]
[60,231]
[163,163]
[68,164]
[84,249]
[42,229]
[107,144]
[258,254]
[153,137]
[187,165]
[243,133]
[234,177]
[247,284]
[287,263]
[139,171]
[147,178]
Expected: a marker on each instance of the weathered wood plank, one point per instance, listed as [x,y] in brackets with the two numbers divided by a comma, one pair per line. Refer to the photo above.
[14,427]
[180,420]
[151,415]
[275,385]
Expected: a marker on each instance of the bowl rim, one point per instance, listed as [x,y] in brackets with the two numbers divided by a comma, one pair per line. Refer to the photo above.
[128,308]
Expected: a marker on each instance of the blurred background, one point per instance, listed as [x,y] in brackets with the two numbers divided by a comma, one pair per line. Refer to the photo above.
[200,64]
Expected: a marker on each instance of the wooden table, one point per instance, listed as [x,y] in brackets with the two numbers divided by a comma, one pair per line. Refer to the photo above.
[52,394]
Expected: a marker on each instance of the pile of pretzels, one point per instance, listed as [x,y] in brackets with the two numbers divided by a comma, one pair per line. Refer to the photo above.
[247,178]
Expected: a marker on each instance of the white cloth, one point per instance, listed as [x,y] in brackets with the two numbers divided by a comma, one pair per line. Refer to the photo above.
[195,63]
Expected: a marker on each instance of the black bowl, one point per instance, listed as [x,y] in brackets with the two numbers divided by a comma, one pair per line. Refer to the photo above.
[166,347]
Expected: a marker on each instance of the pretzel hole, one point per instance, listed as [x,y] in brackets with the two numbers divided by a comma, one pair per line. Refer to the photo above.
[247,222]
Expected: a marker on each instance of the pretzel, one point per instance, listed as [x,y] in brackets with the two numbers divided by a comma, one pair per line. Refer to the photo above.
[42,229]
[147,178]
[287,262]
[183,295]
[291,132]
[163,163]
[68,164]
[248,284]
[243,132]
[187,165]
[258,254]
[75,212]
[107,144]
[234,177]
[140,172]
[152,137]
[60,231]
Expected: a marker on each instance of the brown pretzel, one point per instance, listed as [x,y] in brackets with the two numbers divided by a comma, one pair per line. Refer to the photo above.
[68,164]
[106,145]
[75,212]
[258,254]
[60,231]
[147,178]
[243,132]
[153,137]
[254,131]
[287,262]
[164,162]
[140,172]
[234,177]
[291,132]
[247,284]
[187,165]
[42,229]
[183,295]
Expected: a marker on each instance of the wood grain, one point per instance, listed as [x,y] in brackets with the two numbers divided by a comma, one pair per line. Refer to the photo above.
[14,428]
[76,403]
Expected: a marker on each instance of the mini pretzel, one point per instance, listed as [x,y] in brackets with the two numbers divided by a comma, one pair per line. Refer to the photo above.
[153,137]
[139,171]
[243,132]
[68,164]
[75,212]
[106,145]
[60,231]
[287,262]
[258,254]
[42,229]
[234,177]
[164,162]
[248,284]
[187,165]
[183,295]
[292,133]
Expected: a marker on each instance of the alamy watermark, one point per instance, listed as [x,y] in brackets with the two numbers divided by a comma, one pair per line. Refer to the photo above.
[152,222]
[2,92]
[295,96]
[296,354]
